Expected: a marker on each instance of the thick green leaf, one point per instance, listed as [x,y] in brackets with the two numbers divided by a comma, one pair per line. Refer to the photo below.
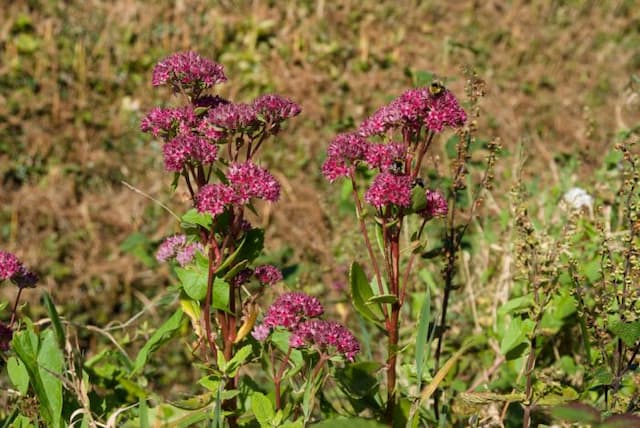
[162,335]
[55,320]
[418,199]
[600,376]
[629,332]
[50,365]
[18,374]
[361,293]
[194,403]
[516,305]
[194,280]
[237,360]
[359,379]
[382,298]
[516,335]
[220,294]
[253,245]
[26,344]
[194,217]
[262,409]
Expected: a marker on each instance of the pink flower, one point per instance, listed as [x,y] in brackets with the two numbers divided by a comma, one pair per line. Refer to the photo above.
[261,332]
[213,198]
[334,168]
[350,147]
[273,108]
[242,277]
[185,255]
[12,269]
[268,274]
[325,335]
[436,205]
[250,181]
[445,111]
[9,265]
[385,118]
[383,156]
[413,109]
[389,189]
[185,148]
[229,118]
[178,247]
[188,71]
[290,309]
[170,122]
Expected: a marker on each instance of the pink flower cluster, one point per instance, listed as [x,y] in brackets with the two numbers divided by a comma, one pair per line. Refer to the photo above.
[169,122]
[250,181]
[388,189]
[290,309]
[178,247]
[383,156]
[185,148]
[265,274]
[268,274]
[189,72]
[273,108]
[325,334]
[12,269]
[436,204]
[246,181]
[416,108]
[191,133]
[229,118]
[298,313]
[343,152]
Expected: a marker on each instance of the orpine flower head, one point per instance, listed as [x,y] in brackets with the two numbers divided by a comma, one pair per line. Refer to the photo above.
[325,335]
[188,71]
[11,268]
[169,122]
[445,111]
[9,265]
[268,274]
[273,108]
[348,147]
[185,148]
[385,118]
[384,156]
[436,205]
[290,309]
[213,198]
[178,247]
[334,168]
[388,189]
[250,181]
[229,118]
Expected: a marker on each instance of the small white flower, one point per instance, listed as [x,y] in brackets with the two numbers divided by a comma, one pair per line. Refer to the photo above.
[578,199]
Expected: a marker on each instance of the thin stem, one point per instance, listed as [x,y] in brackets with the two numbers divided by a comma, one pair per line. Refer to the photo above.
[365,234]
[14,311]
[277,379]
[207,301]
